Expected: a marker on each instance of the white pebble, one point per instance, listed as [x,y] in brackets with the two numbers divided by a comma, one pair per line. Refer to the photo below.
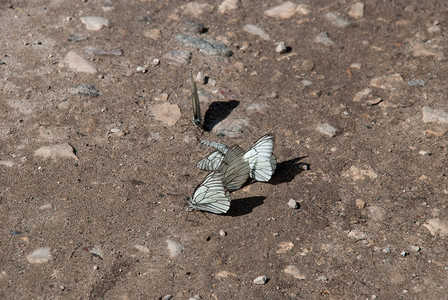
[293,204]
[94,23]
[200,77]
[356,66]
[174,248]
[404,253]
[96,267]
[256,31]
[39,256]
[327,129]
[141,69]
[415,248]
[222,233]
[155,61]
[260,280]
[281,47]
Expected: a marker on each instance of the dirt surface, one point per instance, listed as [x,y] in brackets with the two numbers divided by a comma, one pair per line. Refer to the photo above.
[372,221]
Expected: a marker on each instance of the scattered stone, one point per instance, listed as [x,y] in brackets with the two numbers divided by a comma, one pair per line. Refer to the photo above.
[228,5]
[427,49]
[357,10]
[362,94]
[256,31]
[283,11]
[45,206]
[167,297]
[294,271]
[336,19]
[432,115]
[87,90]
[315,94]
[357,173]
[96,267]
[376,213]
[260,280]
[404,253]
[437,227]
[257,107]
[323,38]
[39,256]
[434,29]
[416,248]
[293,204]
[195,27]
[308,65]
[95,23]
[142,248]
[231,127]
[360,204]
[225,274]
[79,63]
[166,113]
[59,150]
[303,9]
[327,129]
[155,62]
[94,251]
[141,69]
[200,78]
[181,57]
[416,82]
[76,38]
[306,82]
[387,250]
[98,51]
[281,47]
[390,83]
[208,47]
[15,232]
[152,34]
[356,66]
[357,234]
[6,163]
[195,297]
[174,248]
[222,233]
[162,97]
[284,247]
[196,9]
[438,131]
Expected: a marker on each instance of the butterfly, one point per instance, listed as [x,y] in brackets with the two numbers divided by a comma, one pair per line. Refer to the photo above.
[262,162]
[234,168]
[197,119]
[211,195]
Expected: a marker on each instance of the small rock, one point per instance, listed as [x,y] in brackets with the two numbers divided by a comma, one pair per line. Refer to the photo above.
[208,47]
[39,256]
[425,49]
[181,57]
[415,248]
[281,47]
[357,173]
[96,267]
[142,248]
[167,113]
[225,274]
[437,227]
[303,9]
[293,204]
[336,19]
[432,115]
[15,232]
[195,297]
[285,247]
[95,23]
[153,34]
[306,82]
[362,94]
[315,94]
[45,206]
[167,297]
[357,10]
[196,9]
[391,82]
[283,11]
[162,97]
[76,38]
[416,82]
[155,62]
[357,234]
[231,127]
[6,163]
[99,51]
[360,204]
[256,31]
[174,248]
[222,233]
[404,253]
[327,129]
[294,271]
[195,27]
[228,5]
[87,90]
[54,151]
[387,250]
[323,38]
[308,65]
[260,280]
[376,213]
[79,63]
[438,131]
[356,66]
[374,101]
[95,251]
[200,78]
[141,69]
[434,29]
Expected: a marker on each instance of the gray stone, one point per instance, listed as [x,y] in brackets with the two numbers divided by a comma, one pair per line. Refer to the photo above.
[256,31]
[79,63]
[336,19]
[208,47]
[94,23]
[323,38]
[293,204]
[181,57]
[39,256]
[87,90]
[416,82]
[56,151]
[174,248]
[283,11]
[228,5]
[432,115]
[98,51]
[260,280]
[327,129]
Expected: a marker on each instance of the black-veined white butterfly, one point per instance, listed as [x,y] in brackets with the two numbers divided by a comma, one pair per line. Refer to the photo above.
[234,168]
[197,119]
[259,156]
[211,195]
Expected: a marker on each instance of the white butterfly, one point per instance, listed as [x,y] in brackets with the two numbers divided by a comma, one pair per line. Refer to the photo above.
[259,156]
[211,195]
[234,168]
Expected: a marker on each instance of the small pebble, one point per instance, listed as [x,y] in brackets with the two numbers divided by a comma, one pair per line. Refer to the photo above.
[87,90]
[228,5]
[337,20]
[79,63]
[327,129]
[56,151]
[155,61]
[293,204]
[416,82]
[432,115]
[387,250]
[200,78]
[283,11]
[404,253]
[96,267]
[195,297]
[208,47]
[168,297]
[281,47]
[95,23]
[181,57]
[315,94]
[260,280]
[174,248]
[256,31]
[356,66]
[415,248]
[306,82]
[323,38]
[357,10]
[141,69]
[195,27]
[222,233]
[39,256]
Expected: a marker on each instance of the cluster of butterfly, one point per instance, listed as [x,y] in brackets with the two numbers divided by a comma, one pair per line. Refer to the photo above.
[231,167]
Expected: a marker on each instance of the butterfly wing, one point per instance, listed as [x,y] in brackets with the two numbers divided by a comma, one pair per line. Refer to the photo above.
[197,119]
[234,168]
[211,162]
[221,147]
[261,161]
[211,195]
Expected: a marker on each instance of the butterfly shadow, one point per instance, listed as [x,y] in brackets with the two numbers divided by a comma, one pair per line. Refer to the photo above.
[287,170]
[244,206]
[216,112]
